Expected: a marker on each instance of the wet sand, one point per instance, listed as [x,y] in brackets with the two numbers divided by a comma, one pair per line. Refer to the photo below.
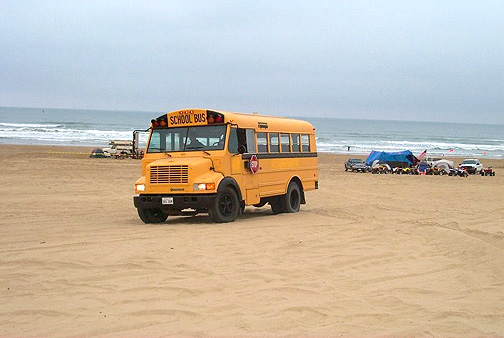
[367,256]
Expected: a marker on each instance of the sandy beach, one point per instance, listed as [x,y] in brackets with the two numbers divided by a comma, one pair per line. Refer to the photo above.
[367,256]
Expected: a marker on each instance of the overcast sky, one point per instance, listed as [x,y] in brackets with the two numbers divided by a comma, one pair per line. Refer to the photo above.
[407,60]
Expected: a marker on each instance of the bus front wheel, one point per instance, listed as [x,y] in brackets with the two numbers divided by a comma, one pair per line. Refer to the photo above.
[226,206]
[152,215]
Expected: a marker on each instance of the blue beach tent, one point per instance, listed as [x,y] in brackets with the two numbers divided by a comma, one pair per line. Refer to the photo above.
[399,159]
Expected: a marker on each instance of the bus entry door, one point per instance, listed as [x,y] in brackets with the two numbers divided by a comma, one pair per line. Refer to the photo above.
[250,182]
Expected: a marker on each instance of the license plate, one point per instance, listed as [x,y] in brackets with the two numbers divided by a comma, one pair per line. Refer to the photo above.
[167,200]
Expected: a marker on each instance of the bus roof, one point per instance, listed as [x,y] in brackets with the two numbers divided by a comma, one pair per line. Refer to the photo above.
[259,122]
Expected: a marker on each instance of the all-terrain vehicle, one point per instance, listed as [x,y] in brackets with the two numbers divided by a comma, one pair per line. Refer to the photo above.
[405,171]
[381,169]
[487,172]
[438,171]
[458,172]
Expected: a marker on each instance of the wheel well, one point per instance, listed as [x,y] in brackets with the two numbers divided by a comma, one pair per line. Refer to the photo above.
[229,181]
[300,185]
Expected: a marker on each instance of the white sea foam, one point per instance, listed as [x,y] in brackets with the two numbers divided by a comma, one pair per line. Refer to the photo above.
[29,125]
[58,134]
[433,148]
[96,128]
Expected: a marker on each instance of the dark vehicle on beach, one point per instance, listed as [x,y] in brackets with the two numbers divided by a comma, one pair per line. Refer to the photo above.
[355,165]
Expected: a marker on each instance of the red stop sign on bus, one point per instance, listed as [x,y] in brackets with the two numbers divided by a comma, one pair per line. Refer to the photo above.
[253,164]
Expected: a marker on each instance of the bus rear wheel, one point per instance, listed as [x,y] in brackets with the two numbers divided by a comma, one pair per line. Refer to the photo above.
[290,202]
[226,206]
[292,198]
[276,204]
[152,215]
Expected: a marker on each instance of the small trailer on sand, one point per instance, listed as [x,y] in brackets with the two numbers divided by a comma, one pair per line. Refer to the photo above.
[125,148]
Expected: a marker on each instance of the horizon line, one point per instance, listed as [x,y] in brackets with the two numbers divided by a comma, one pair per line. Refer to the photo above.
[288,116]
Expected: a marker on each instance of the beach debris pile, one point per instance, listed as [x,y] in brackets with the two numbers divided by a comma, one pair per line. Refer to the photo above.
[121,148]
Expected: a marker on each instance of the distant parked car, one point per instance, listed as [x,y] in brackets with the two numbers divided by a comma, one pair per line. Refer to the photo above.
[473,166]
[355,164]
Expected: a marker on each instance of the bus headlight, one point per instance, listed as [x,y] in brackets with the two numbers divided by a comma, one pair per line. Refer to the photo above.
[140,187]
[204,186]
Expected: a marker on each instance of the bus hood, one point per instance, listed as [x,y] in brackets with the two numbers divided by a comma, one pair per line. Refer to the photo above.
[178,175]
[184,161]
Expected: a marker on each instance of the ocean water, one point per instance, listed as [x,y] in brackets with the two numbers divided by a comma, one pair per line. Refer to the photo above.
[344,136]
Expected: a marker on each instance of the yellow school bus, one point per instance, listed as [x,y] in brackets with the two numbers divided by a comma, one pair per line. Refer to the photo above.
[200,160]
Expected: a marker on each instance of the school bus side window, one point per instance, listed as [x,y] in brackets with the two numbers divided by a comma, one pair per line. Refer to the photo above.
[305,142]
[296,148]
[250,137]
[285,142]
[274,144]
[237,138]
[233,141]
[262,143]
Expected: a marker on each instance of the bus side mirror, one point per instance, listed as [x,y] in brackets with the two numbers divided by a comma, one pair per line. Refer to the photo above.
[241,149]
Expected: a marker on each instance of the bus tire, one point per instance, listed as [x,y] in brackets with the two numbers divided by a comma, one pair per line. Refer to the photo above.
[276,204]
[292,200]
[152,215]
[226,206]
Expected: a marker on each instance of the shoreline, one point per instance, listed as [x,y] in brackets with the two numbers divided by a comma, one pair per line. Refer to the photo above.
[346,155]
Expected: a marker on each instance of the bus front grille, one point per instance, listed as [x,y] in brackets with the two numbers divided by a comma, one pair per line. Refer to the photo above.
[169,174]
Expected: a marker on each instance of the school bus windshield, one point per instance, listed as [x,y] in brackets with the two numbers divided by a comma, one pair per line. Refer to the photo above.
[187,139]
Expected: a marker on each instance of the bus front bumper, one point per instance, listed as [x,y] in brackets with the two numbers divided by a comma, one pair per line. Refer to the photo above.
[175,202]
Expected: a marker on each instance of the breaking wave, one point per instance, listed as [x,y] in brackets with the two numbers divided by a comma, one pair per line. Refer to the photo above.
[345,136]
